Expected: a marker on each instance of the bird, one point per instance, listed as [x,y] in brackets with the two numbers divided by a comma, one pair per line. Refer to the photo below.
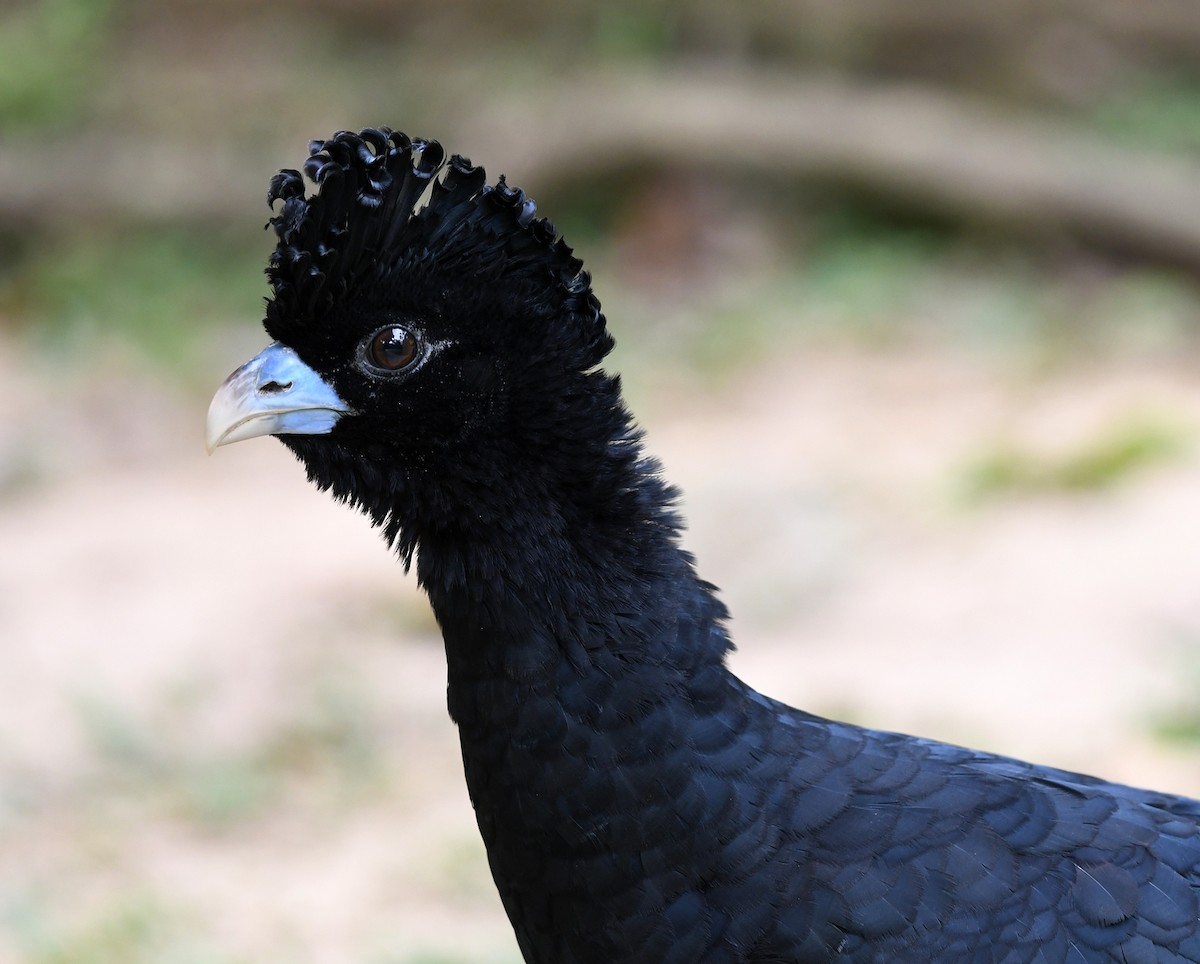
[436,361]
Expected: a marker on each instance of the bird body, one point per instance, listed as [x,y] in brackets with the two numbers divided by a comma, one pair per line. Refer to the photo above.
[436,364]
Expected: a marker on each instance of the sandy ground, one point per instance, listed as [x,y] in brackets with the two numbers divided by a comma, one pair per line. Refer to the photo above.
[222,725]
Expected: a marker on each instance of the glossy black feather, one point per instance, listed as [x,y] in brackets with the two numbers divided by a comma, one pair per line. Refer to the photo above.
[638,802]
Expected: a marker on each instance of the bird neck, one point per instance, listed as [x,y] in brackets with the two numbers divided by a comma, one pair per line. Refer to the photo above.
[579,568]
[580,646]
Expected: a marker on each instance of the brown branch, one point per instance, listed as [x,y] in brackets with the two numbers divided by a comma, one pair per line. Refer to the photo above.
[953,154]
[929,147]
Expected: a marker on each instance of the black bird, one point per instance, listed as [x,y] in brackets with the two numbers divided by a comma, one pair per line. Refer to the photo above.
[435,363]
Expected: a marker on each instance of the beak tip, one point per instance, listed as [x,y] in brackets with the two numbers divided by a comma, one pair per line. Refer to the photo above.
[240,411]
[215,429]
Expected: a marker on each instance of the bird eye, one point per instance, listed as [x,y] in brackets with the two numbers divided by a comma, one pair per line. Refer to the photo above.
[392,349]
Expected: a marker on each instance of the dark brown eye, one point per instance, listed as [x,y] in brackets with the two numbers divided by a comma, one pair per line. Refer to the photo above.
[393,349]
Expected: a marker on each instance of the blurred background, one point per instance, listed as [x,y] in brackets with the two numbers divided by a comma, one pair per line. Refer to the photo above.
[905,296]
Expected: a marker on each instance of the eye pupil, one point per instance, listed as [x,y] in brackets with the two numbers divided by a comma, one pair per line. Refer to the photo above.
[393,349]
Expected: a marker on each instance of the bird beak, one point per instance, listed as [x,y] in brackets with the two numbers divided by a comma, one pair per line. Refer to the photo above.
[274,393]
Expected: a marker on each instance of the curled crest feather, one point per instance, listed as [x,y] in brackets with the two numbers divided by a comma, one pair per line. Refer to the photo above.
[387,204]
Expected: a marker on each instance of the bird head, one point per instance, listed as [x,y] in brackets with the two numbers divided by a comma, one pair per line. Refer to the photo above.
[423,322]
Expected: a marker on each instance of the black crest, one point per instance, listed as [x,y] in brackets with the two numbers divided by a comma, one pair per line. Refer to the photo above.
[385,202]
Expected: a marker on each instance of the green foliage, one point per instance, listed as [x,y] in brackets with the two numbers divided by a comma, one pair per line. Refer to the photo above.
[330,738]
[219,790]
[1138,311]
[633,31]
[420,957]
[1099,463]
[332,727]
[1162,112]
[869,281]
[1178,722]
[158,290]
[47,52]
[130,929]
[116,736]
[1179,726]
[435,957]
[864,275]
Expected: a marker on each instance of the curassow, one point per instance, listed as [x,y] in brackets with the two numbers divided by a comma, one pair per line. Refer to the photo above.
[435,364]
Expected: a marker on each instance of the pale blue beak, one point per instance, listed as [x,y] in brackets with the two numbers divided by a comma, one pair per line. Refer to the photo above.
[274,393]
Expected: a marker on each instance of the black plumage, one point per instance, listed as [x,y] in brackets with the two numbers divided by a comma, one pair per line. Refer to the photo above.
[638,802]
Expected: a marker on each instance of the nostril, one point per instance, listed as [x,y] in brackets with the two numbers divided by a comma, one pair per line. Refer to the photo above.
[273,387]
